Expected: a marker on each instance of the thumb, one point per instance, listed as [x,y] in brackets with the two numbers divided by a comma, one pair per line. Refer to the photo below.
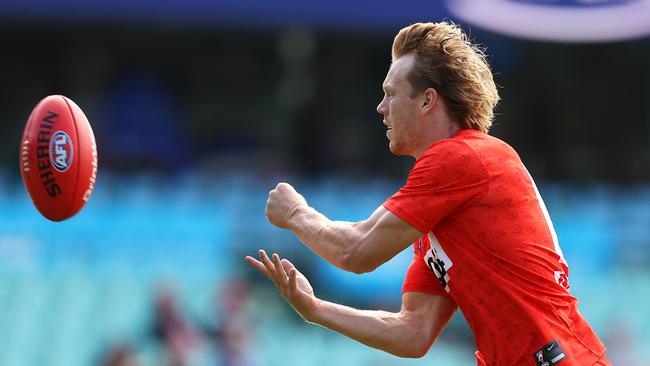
[285,185]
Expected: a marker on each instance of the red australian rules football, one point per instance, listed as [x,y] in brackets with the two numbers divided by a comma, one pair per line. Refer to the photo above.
[58,158]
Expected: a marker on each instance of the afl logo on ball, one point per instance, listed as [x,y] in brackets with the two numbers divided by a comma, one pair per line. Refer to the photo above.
[61,151]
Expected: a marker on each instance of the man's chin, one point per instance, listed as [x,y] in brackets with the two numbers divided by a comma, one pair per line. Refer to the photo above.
[396,150]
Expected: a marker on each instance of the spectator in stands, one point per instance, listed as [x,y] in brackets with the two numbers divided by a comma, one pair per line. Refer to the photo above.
[120,355]
[232,334]
[178,336]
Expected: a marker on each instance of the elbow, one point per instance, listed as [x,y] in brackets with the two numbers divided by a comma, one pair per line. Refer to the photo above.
[414,355]
[418,345]
[413,351]
[356,261]
[420,351]
[361,270]
[421,348]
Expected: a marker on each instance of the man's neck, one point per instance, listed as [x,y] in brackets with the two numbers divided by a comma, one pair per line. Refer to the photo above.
[445,131]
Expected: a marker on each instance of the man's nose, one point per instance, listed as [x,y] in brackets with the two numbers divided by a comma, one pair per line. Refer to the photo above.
[381,109]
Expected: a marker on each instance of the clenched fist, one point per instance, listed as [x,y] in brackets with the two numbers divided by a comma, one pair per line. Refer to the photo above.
[282,204]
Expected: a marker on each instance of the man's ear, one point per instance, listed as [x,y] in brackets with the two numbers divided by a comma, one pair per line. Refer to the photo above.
[429,100]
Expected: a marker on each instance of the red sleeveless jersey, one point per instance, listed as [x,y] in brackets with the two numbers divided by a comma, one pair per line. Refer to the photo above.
[489,245]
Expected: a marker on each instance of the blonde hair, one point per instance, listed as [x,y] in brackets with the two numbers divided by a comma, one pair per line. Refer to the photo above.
[447,61]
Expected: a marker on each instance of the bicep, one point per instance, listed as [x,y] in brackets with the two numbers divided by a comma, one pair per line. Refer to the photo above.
[383,235]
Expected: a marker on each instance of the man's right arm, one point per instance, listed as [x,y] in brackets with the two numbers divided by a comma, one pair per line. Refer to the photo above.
[407,333]
[357,247]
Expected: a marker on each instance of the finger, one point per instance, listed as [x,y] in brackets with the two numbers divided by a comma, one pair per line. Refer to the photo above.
[257,265]
[267,262]
[284,187]
[280,272]
[288,266]
[292,280]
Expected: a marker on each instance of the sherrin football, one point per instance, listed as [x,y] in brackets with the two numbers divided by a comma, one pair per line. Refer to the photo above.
[58,158]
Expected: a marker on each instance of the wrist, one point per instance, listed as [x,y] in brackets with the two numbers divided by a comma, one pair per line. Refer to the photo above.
[313,315]
[294,214]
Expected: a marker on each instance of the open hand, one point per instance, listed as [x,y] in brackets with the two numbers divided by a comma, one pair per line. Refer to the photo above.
[291,284]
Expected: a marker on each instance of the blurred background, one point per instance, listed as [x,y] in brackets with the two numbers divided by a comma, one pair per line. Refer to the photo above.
[200,107]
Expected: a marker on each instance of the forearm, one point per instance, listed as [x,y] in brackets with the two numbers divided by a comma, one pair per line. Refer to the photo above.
[335,241]
[389,332]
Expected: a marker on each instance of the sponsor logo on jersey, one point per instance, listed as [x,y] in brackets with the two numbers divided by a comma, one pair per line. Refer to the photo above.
[438,261]
[550,354]
[61,151]
[563,280]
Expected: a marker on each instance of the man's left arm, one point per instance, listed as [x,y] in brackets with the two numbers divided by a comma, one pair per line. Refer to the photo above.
[357,247]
